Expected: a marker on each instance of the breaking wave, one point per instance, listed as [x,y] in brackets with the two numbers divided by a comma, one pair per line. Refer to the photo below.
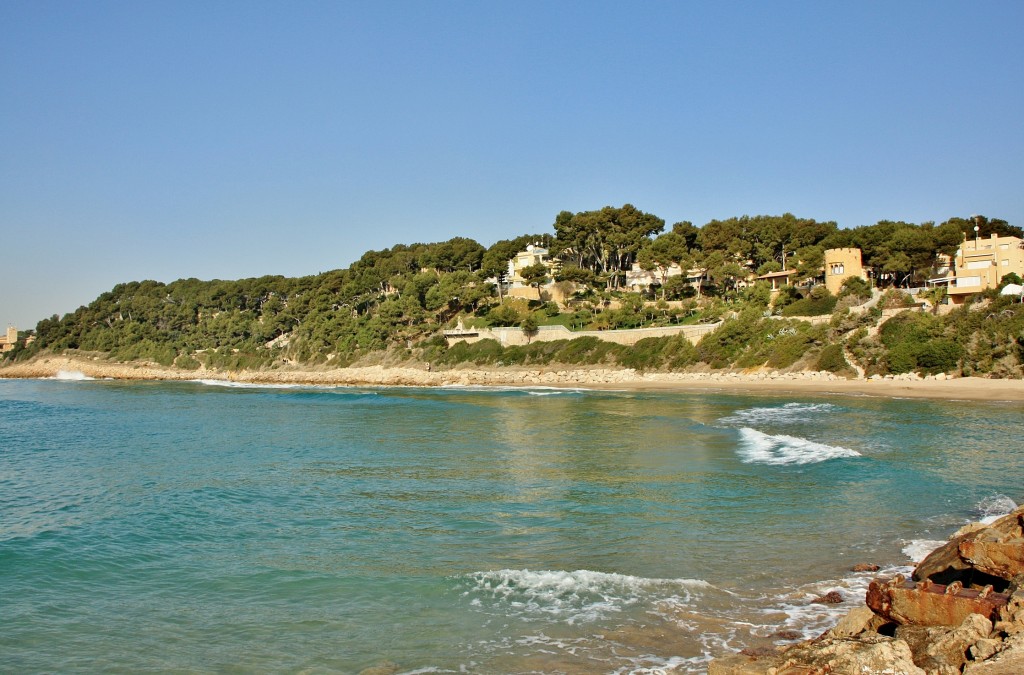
[581,596]
[993,508]
[72,376]
[531,390]
[760,448]
[987,511]
[917,550]
[247,385]
[791,412]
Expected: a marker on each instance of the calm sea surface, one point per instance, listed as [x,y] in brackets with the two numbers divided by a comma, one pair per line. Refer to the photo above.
[211,528]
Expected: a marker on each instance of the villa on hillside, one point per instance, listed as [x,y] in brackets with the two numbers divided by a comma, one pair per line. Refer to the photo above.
[533,255]
[842,264]
[8,341]
[979,265]
[777,279]
[638,279]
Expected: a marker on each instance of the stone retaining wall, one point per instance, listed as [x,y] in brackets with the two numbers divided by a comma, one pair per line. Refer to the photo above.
[511,336]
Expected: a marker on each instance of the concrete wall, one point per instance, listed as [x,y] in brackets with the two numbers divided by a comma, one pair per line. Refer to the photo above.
[515,336]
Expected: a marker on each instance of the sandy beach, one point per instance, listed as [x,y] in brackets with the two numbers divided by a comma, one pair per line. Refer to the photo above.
[818,383]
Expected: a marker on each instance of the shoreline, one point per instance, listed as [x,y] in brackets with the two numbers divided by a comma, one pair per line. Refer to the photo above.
[760,382]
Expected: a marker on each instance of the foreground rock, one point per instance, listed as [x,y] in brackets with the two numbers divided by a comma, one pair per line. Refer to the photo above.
[962,611]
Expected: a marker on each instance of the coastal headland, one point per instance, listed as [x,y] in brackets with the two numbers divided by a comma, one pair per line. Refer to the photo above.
[419,375]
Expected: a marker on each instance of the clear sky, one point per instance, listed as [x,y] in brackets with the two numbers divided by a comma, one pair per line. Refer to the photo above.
[165,140]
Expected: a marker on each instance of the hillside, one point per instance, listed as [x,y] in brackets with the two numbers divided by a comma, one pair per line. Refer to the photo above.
[390,306]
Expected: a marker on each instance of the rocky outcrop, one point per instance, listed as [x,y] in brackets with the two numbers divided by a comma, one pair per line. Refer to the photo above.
[962,612]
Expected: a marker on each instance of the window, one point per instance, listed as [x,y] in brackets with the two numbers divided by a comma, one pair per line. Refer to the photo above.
[837,268]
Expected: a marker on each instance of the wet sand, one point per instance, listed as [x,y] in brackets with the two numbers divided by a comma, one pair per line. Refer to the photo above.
[817,383]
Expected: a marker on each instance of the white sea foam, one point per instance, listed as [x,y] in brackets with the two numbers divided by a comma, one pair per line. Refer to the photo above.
[72,375]
[579,596]
[533,390]
[810,618]
[257,385]
[995,507]
[245,385]
[917,550]
[791,412]
[760,448]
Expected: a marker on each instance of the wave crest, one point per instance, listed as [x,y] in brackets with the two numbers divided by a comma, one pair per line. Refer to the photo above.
[790,412]
[72,376]
[579,596]
[995,507]
[760,448]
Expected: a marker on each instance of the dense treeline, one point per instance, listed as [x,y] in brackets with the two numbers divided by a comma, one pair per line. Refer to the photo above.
[398,298]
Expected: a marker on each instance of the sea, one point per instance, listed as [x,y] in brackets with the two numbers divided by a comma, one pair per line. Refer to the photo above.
[212,527]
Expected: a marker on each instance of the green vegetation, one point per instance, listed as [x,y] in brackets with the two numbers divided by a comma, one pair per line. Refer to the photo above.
[398,300]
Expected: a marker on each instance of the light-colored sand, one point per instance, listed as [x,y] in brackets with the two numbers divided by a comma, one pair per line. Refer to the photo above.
[968,388]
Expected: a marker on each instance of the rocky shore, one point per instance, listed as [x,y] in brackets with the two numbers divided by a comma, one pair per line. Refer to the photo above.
[962,611]
[421,375]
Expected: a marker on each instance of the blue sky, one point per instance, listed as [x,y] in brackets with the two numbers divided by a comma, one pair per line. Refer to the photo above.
[166,140]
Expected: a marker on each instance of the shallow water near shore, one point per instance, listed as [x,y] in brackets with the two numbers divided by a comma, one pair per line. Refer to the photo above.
[203,527]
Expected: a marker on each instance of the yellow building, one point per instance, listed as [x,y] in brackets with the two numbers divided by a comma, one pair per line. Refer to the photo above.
[840,265]
[533,255]
[8,341]
[980,264]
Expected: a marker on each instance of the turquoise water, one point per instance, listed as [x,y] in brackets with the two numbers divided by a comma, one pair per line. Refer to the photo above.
[210,528]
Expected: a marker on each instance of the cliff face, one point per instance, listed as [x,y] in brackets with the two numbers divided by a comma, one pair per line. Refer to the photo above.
[962,611]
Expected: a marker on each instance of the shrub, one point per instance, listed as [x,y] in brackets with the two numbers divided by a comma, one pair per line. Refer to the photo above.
[855,287]
[832,359]
[721,347]
[817,303]
[186,362]
[665,352]
[894,299]
[504,315]
[939,356]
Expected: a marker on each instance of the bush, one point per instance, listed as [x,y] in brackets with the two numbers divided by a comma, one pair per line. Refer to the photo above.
[855,287]
[721,347]
[817,303]
[186,362]
[832,359]
[894,299]
[939,356]
[504,315]
[652,353]
[586,351]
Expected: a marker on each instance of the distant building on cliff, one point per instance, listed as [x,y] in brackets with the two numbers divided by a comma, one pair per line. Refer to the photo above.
[840,265]
[8,341]
[980,264]
[533,255]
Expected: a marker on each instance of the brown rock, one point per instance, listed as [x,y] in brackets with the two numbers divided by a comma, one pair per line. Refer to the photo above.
[928,604]
[945,564]
[984,649]
[742,664]
[865,567]
[867,654]
[951,648]
[1009,660]
[787,635]
[830,598]
[857,621]
[919,639]
[1004,559]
